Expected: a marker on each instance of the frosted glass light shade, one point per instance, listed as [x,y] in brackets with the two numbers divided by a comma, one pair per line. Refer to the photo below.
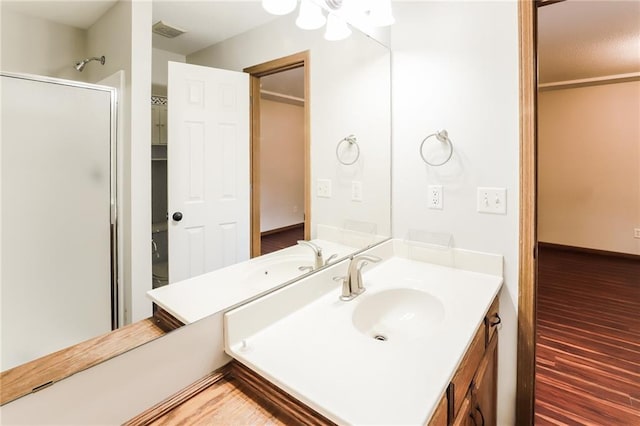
[310,16]
[279,7]
[337,28]
[380,14]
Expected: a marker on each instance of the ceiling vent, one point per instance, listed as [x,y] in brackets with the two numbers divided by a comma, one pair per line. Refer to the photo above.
[166,30]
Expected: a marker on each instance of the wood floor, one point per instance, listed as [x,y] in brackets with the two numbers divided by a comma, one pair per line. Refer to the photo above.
[56,366]
[588,339]
[281,239]
[226,403]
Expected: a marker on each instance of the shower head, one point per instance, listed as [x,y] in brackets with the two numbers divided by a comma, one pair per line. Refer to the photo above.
[81,64]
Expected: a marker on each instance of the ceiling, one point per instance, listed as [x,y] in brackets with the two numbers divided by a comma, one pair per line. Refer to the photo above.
[206,22]
[577,38]
[580,39]
[76,13]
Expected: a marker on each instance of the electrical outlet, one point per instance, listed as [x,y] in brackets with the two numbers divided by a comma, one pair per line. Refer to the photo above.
[435,197]
[356,190]
[492,200]
[636,233]
[323,188]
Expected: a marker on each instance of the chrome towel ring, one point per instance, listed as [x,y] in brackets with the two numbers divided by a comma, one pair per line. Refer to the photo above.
[443,137]
[351,139]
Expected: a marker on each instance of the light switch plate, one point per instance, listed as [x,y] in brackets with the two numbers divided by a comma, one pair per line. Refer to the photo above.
[492,200]
[323,188]
[435,197]
[356,190]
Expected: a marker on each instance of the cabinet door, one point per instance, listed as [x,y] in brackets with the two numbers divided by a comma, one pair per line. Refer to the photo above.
[485,387]
[162,121]
[158,124]
[439,417]
[464,416]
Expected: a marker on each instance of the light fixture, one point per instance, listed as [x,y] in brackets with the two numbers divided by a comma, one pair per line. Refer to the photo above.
[364,14]
[279,7]
[310,16]
[337,28]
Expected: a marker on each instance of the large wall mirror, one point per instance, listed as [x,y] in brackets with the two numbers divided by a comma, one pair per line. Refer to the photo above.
[324,130]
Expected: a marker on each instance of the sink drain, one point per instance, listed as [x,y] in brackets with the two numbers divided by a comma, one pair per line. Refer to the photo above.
[380,337]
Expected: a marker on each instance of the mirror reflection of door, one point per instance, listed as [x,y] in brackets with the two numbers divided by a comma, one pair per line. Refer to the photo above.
[282,164]
[280,150]
[208,169]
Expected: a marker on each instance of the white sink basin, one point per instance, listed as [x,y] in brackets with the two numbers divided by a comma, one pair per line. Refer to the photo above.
[400,313]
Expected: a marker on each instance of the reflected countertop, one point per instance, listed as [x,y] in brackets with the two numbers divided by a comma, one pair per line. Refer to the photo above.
[198,297]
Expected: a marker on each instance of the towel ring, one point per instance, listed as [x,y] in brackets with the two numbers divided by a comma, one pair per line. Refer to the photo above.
[443,137]
[352,142]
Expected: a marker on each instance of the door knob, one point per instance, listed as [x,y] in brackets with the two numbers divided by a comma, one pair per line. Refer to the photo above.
[177,216]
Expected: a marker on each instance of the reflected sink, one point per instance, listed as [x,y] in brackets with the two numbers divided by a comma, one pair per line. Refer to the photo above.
[402,313]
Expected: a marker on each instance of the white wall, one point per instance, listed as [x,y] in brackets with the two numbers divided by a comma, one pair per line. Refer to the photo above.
[122,36]
[455,67]
[160,70]
[589,167]
[281,165]
[349,95]
[37,46]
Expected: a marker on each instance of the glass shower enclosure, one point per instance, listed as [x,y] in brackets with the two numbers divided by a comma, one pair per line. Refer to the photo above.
[58,215]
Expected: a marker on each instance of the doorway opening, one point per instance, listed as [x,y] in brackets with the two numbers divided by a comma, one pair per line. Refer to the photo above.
[556,280]
[280,153]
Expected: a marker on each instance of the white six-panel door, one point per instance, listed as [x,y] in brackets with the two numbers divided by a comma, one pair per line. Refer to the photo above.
[208,169]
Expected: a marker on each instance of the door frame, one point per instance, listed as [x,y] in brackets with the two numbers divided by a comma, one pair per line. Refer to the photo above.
[296,60]
[526,351]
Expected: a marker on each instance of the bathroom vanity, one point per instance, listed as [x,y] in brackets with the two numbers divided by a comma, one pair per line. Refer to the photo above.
[419,346]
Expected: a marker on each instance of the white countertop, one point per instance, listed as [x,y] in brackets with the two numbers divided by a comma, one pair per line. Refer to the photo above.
[316,354]
[198,297]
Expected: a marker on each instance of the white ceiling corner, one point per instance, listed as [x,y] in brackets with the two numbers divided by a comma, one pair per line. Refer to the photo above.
[75,13]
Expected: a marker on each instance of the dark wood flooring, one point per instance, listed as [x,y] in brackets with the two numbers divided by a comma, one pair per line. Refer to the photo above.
[281,239]
[588,339]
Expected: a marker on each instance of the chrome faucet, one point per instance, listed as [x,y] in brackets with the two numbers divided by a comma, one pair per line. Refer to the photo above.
[352,284]
[317,252]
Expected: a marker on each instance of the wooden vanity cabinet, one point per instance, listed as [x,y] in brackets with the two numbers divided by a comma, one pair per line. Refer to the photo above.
[439,417]
[235,394]
[485,387]
[472,394]
[464,415]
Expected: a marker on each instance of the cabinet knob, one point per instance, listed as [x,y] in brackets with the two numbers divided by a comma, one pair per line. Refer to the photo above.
[177,216]
[472,416]
[495,320]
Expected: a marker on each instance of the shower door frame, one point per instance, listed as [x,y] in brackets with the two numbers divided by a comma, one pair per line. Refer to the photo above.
[113,178]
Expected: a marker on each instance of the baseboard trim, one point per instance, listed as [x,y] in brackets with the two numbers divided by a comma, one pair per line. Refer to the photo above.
[254,386]
[266,392]
[588,250]
[157,411]
[284,228]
